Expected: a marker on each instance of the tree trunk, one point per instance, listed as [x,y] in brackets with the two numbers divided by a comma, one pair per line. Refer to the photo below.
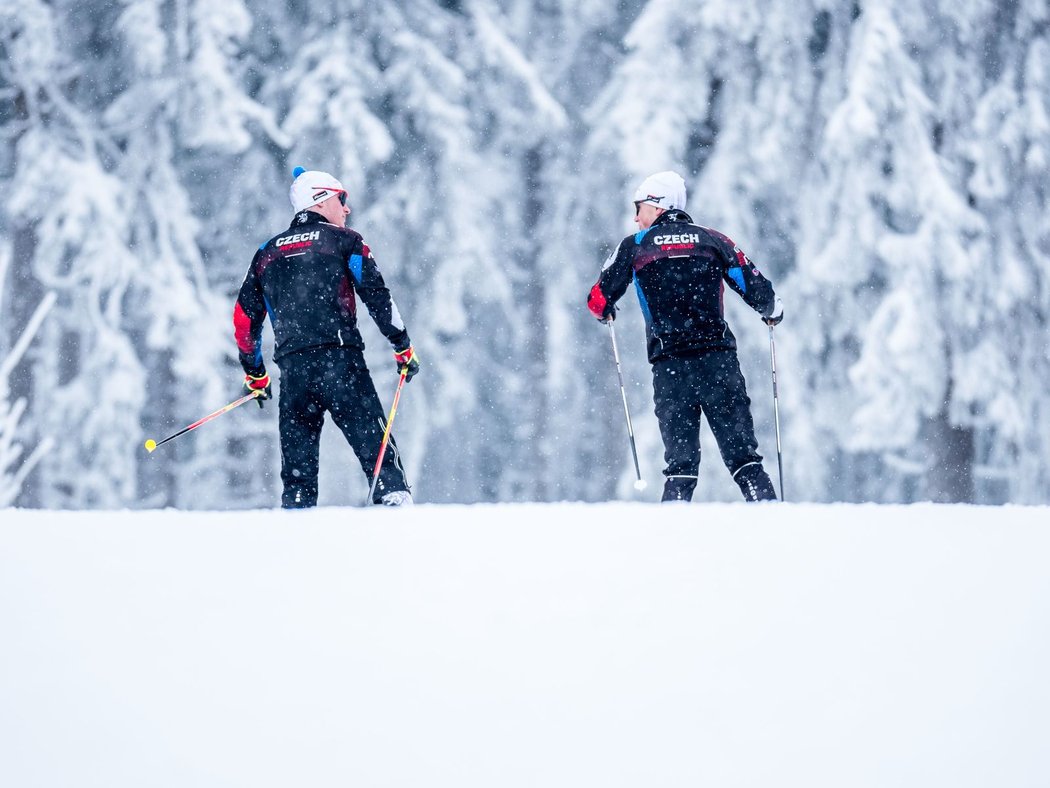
[950,453]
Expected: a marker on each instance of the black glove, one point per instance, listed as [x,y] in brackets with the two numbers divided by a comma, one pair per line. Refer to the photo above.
[776,314]
[608,315]
[407,362]
[261,383]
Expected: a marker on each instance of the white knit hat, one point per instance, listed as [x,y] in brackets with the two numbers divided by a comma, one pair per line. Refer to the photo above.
[311,187]
[664,190]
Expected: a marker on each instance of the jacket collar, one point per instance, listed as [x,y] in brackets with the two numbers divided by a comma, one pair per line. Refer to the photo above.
[306,217]
[673,215]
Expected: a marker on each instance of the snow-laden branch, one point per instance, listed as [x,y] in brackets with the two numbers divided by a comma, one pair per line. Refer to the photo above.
[12,473]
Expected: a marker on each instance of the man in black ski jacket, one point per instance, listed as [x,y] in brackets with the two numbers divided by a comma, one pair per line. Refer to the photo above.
[679,271]
[307,279]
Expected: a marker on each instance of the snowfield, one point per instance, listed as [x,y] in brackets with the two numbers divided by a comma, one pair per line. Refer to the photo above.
[527,645]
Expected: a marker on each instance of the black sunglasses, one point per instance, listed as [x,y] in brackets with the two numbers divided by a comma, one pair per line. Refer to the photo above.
[337,192]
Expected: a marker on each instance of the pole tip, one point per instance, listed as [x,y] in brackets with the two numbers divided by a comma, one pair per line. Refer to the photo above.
[151,445]
[641,484]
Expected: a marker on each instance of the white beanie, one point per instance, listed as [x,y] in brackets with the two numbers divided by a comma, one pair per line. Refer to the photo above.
[664,190]
[311,187]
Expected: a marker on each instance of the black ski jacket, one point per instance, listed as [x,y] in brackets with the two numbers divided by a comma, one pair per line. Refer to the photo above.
[680,271]
[306,279]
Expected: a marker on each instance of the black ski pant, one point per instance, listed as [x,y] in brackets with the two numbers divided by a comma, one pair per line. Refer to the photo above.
[336,380]
[711,383]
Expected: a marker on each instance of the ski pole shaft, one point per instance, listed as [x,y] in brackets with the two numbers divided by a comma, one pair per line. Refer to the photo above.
[151,445]
[386,436]
[626,411]
[776,411]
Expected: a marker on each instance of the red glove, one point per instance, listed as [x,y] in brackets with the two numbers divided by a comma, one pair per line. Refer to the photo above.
[261,383]
[407,362]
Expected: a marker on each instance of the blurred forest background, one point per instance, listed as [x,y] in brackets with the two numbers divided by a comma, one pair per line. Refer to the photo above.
[886,164]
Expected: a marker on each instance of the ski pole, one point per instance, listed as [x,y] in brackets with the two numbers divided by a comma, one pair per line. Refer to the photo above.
[386,435]
[640,482]
[776,411]
[151,444]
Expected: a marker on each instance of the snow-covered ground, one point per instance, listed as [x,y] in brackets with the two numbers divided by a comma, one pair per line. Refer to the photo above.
[560,645]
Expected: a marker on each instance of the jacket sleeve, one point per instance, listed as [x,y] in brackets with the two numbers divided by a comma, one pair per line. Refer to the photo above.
[612,283]
[745,279]
[368,281]
[248,315]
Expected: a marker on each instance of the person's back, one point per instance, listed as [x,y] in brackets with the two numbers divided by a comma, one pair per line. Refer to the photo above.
[679,272]
[310,275]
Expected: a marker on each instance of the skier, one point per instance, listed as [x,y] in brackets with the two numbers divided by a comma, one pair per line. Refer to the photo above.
[306,278]
[678,270]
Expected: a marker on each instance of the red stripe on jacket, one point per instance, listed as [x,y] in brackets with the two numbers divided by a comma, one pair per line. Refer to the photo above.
[242,330]
[596,301]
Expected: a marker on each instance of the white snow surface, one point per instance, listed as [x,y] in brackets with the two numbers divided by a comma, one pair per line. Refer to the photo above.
[527,645]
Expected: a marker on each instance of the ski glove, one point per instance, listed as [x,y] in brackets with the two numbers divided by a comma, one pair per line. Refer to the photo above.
[776,314]
[407,362]
[261,383]
[608,315]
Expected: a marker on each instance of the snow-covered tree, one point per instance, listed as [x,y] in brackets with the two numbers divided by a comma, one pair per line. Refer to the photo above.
[15,465]
[902,242]
[136,338]
[1001,372]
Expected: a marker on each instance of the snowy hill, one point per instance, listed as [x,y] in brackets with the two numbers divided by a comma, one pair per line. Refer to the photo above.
[558,645]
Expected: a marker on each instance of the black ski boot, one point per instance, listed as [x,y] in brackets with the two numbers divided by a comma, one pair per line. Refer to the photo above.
[679,488]
[755,483]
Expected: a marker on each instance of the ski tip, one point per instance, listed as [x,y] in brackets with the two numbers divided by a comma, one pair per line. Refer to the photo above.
[298,171]
[151,445]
